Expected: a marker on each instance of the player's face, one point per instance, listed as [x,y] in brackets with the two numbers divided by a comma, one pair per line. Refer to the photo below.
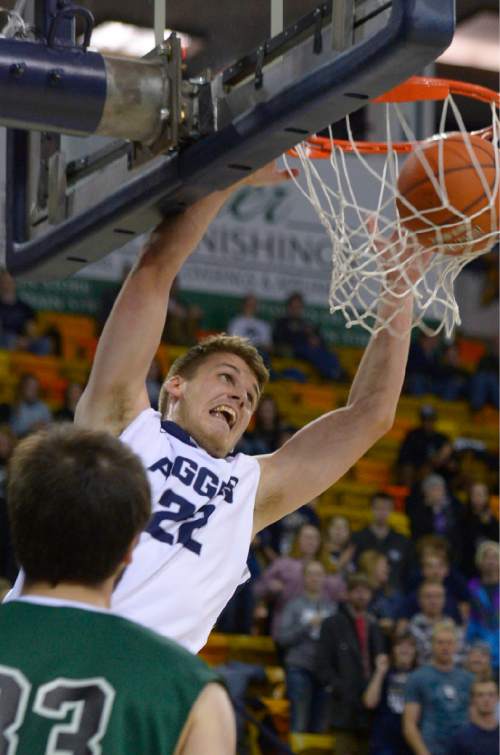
[216,404]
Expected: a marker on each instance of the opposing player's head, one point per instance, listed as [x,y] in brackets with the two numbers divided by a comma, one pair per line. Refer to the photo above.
[212,390]
[77,499]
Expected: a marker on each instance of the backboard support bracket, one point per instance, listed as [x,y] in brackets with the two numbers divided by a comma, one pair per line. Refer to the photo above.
[310,87]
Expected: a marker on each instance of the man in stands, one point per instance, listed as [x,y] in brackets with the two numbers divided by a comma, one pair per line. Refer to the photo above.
[437,697]
[380,536]
[435,567]
[431,596]
[349,644]
[248,325]
[480,735]
[424,449]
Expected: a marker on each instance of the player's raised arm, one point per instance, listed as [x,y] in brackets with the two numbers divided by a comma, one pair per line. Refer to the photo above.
[319,454]
[116,391]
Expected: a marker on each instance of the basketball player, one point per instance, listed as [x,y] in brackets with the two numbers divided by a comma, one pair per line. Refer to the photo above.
[208,503]
[74,678]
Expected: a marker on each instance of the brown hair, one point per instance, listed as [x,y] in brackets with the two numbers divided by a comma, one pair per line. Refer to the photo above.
[426,583]
[76,500]
[295,550]
[480,682]
[433,545]
[368,562]
[358,580]
[187,364]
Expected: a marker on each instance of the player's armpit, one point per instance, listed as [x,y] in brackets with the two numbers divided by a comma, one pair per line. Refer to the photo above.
[113,415]
[211,727]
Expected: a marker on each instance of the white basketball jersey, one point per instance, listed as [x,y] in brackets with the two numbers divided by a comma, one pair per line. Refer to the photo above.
[193,554]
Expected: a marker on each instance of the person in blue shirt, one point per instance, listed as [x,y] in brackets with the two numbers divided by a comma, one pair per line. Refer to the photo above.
[480,735]
[484,623]
[437,697]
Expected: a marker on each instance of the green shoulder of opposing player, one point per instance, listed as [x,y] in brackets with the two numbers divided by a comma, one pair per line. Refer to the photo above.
[74,680]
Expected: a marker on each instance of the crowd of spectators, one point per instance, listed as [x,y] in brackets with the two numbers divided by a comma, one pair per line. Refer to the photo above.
[390,641]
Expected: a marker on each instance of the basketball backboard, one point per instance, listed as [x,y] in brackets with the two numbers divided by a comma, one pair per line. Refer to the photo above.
[154,147]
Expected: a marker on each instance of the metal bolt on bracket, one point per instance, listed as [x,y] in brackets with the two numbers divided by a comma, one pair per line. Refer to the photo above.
[55,76]
[17,70]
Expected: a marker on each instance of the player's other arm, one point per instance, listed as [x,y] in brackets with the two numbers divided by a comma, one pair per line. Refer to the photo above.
[116,391]
[319,454]
[210,728]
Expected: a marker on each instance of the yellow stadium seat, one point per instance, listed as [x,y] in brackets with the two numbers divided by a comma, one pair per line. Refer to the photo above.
[239,647]
[312,744]
[373,471]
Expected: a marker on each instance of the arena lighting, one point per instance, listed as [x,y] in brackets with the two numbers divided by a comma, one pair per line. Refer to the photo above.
[116,38]
[475,43]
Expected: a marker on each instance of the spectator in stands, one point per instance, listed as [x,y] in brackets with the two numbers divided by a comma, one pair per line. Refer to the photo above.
[435,568]
[437,697]
[264,438]
[30,412]
[452,379]
[483,386]
[248,325]
[480,735]
[478,524]
[385,696]
[238,615]
[350,642]
[284,533]
[71,397]
[434,367]
[294,335]
[431,598]
[478,661]
[437,512]
[284,578]
[423,450]
[385,600]
[298,634]
[423,364]
[380,536]
[338,549]
[183,320]
[485,600]
[15,315]
[154,381]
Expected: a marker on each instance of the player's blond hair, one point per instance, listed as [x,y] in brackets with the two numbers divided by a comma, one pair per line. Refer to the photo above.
[187,364]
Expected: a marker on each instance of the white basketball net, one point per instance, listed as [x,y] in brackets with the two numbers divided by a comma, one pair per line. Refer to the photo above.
[362,265]
[12,23]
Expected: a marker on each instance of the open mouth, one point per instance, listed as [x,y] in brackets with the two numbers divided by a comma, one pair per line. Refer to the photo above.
[226,413]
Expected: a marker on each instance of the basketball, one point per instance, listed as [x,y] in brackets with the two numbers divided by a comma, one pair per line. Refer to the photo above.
[450,160]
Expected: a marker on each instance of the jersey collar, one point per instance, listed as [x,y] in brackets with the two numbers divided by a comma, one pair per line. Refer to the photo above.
[172,428]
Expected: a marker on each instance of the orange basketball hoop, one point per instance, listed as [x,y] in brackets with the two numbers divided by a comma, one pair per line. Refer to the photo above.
[358,278]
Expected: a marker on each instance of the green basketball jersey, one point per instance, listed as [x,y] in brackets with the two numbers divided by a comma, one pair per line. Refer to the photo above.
[85,682]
